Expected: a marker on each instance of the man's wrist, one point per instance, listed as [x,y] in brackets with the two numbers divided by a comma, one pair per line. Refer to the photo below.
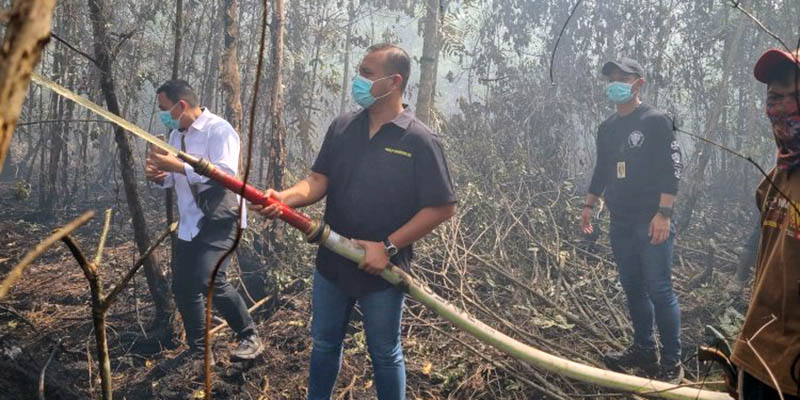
[389,247]
[665,212]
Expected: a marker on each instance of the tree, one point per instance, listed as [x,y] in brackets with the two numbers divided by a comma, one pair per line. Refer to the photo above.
[156,280]
[27,33]
[277,148]
[428,62]
[348,46]
[712,126]
[229,75]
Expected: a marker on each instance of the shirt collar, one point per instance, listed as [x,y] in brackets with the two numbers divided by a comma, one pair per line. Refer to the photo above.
[201,120]
[402,120]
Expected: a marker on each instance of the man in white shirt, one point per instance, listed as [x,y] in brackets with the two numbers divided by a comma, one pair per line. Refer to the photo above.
[208,215]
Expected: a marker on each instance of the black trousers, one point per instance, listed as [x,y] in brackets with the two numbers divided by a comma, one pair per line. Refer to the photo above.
[751,388]
[193,265]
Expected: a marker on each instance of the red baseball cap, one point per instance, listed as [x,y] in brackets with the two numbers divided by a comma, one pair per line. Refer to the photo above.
[770,59]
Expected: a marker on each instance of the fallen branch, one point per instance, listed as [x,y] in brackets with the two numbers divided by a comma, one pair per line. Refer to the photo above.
[40,248]
[252,308]
[44,368]
[98,256]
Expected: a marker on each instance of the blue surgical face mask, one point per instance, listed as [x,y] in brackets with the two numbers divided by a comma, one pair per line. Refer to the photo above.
[619,92]
[361,90]
[166,118]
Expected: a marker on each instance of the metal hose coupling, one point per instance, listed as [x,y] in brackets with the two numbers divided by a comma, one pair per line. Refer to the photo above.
[318,233]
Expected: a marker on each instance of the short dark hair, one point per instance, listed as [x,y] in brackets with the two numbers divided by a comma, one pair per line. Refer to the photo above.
[397,60]
[179,89]
[786,73]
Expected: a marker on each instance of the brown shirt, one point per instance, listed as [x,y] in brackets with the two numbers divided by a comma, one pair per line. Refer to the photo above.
[776,290]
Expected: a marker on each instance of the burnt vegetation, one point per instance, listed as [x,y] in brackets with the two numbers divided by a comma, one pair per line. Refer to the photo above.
[520,148]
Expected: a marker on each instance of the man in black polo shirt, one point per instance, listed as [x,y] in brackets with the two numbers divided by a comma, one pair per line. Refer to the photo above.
[638,169]
[388,185]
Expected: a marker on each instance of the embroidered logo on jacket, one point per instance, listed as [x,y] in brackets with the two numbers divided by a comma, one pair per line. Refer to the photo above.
[635,139]
[398,152]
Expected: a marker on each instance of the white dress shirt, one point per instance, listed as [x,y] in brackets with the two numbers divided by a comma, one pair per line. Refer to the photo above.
[214,139]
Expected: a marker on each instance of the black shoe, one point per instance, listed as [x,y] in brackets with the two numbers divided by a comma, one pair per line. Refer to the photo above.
[248,349]
[632,357]
[670,373]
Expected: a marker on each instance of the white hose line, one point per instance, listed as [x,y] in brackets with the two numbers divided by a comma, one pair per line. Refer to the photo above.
[514,348]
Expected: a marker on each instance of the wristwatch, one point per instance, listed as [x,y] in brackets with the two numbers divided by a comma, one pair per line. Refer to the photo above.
[391,249]
[665,211]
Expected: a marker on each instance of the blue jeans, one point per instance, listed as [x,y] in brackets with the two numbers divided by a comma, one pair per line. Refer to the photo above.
[382,312]
[645,273]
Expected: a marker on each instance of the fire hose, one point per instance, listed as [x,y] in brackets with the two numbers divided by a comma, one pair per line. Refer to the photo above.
[319,233]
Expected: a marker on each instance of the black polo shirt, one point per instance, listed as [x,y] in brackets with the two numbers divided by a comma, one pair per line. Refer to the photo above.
[375,186]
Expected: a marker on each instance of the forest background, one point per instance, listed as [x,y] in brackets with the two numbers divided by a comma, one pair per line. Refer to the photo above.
[518,124]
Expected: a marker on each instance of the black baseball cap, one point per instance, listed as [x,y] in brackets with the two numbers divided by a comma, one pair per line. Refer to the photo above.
[626,65]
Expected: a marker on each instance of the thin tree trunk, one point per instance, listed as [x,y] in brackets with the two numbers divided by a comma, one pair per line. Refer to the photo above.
[427,68]
[306,123]
[99,321]
[698,178]
[348,45]
[211,70]
[169,193]
[64,127]
[277,149]
[664,34]
[50,191]
[156,281]
[27,32]
[176,55]
[276,167]
[229,76]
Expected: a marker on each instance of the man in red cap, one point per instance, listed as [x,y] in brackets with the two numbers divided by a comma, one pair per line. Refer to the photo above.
[768,348]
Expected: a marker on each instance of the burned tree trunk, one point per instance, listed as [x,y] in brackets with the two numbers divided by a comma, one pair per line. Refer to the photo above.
[277,149]
[229,76]
[427,67]
[156,281]
[27,32]
[348,46]
[101,302]
[169,193]
[176,55]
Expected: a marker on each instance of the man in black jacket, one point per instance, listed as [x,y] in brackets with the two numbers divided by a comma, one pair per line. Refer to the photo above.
[638,169]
